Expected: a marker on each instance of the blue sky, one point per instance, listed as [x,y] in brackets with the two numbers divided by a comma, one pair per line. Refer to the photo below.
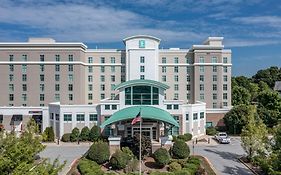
[251,28]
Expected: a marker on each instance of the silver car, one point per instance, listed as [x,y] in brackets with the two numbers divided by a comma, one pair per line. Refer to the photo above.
[222,137]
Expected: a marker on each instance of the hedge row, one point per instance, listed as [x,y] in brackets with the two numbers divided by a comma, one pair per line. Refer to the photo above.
[85,135]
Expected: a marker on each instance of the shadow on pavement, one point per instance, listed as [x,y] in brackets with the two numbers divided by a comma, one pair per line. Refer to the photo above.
[225,155]
[236,170]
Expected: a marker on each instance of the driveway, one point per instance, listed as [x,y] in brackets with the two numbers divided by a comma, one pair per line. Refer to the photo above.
[224,157]
[65,152]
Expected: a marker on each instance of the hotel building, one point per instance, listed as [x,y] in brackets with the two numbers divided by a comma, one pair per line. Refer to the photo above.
[67,85]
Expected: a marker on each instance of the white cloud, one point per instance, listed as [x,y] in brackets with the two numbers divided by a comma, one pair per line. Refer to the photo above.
[273,21]
[234,42]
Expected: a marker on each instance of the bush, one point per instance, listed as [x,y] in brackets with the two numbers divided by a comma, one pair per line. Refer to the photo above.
[180,150]
[160,173]
[128,152]
[132,166]
[194,160]
[74,134]
[88,167]
[66,137]
[192,168]
[94,134]
[118,160]
[211,131]
[84,136]
[182,172]
[186,137]
[161,157]
[145,145]
[99,152]
[174,166]
[48,134]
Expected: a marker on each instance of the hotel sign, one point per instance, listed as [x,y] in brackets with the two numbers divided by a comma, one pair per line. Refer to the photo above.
[141,43]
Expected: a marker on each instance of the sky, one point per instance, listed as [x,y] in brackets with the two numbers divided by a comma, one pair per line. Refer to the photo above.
[251,28]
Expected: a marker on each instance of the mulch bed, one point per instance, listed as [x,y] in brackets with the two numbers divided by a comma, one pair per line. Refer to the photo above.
[255,169]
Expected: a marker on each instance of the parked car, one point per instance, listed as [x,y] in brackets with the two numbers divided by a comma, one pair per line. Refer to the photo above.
[222,137]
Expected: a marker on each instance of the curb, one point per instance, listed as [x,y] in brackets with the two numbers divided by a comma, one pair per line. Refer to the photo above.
[211,165]
[240,160]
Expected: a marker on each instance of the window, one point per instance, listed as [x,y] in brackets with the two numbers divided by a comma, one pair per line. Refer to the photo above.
[215,87]
[176,107]
[57,97]
[214,59]
[42,58]
[11,97]
[90,59]
[209,124]
[186,117]
[176,69]
[201,69]
[93,117]
[225,87]
[141,43]
[70,78]
[11,67]
[176,78]
[141,95]
[11,87]
[164,79]
[80,117]
[11,77]
[24,57]
[188,69]
[90,69]
[225,96]
[102,60]
[188,87]
[188,78]
[42,87]
[112,87]
[24,68]
[142,77]
[70,68]
[225,78]
[102,69]
[201,87]
[195,116]
[142,59]
[176,87]
[169,107]
[57,68]
[215,68]
[102,96]
[214,105]
[202,115]
[112,68]
[201,78]
[164,69]
[164,60]
[70,97]
[42,68]
[123,60]
[57,77]
[67,117]
[24,77]
[123,69]
[90,87]
[112,60]
[224,59]
[102,87]
[215,78]
[224,103]
[107,107]
[70,58]
[24,104]
[70,87]
[188,96]
[215,96]
[41,104]
[90,78]
[57,87]
[42,97]
[90,96]
[188,60]
[201,60]
[176,60]
[176,96]
[42,77]
[114,107]
[11,57]
[102,79]
[123,78]
[202,96]
[57,58]
[141,68]
[225,69]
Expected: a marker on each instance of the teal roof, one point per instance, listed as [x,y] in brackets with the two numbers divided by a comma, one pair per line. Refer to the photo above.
[147,112]
[142,82]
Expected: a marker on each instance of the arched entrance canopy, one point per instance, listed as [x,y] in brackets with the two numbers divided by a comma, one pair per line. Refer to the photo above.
[147,112]
[139,82]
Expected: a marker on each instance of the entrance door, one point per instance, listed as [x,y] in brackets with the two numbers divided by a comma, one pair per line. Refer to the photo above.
[146,131]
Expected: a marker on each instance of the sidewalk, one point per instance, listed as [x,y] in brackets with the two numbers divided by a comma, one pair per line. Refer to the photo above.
[74,144]
[203,140]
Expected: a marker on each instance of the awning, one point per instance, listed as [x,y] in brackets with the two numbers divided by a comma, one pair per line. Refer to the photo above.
[139,82]
[147,112]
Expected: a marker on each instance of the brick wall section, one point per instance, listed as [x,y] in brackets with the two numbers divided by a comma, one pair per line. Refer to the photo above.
[214,117]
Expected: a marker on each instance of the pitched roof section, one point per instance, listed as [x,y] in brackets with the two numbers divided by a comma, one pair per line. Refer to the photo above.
[142,82]
[147,112]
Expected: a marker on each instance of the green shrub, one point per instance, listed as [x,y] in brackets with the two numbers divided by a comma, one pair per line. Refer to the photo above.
[186,137]
[94,134]
[66,137]
[192,168]
[211,131]
[99,152]
[118,160]
[161,173]
[48,134]
[88,167]
[161,157]
[84,136]
[128,152]
[194,160]
[180,150]
[182,172]
[74,134]
[132,166]
[145,145]
[174,166]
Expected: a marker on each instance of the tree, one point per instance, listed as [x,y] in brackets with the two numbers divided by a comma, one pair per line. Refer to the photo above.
[74,136]
[48,134]
[254,135]
[269,117]
[241,81]
[85,134]
[276,154]
[270,100]
[240,96]
[269,76]
[17,154]
[94,134]
[146,145]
